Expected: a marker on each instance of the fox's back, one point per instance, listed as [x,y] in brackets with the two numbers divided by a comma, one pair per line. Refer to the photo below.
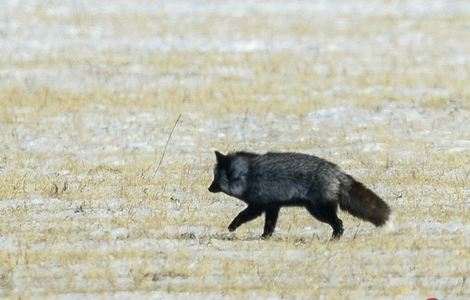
[286,176]
[288,162]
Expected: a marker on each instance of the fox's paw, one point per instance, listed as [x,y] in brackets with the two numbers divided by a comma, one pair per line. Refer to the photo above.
[266,236]
[231,228]
[337,234]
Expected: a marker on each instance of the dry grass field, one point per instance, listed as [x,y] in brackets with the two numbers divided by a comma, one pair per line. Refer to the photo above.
[90,91]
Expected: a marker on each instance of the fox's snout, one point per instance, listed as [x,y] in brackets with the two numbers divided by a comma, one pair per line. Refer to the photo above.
[214,187]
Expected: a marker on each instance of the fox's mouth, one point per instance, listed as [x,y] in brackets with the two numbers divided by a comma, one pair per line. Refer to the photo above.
[214,187]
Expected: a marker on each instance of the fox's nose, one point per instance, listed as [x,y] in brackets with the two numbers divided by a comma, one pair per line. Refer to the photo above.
[214,187]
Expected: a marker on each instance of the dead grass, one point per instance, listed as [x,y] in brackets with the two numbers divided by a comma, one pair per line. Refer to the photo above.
[84,121]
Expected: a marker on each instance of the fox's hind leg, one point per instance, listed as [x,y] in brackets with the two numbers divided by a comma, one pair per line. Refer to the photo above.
[326,212]
[248,214]
[271,215]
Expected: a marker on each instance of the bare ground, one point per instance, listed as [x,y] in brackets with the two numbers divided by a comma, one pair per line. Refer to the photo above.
[90,92]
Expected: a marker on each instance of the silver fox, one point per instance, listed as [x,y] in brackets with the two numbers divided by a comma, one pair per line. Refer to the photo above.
[270,181]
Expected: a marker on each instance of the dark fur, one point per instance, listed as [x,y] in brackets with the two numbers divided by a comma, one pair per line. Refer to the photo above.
[270,181]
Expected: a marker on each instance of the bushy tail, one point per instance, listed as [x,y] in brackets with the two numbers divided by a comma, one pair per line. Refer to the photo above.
[365,204]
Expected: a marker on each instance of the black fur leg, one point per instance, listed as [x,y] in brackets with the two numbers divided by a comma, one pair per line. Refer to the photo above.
[248,214]
[338,232]
[326,212]
[271,215]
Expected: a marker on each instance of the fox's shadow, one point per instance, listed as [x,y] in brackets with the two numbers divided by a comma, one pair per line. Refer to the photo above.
[250,237]
[219,236]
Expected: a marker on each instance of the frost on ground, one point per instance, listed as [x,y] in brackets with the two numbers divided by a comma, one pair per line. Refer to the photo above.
[91,90]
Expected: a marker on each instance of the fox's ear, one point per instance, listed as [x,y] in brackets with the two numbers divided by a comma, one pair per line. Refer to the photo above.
[221,159]
[218,155]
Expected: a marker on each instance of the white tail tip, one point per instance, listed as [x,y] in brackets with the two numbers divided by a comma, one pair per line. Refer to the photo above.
[390,225]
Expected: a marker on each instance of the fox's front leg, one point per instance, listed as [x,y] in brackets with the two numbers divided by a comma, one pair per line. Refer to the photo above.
[248,214]
[271,215]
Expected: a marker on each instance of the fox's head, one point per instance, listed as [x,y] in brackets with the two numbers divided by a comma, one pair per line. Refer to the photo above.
[230,173]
